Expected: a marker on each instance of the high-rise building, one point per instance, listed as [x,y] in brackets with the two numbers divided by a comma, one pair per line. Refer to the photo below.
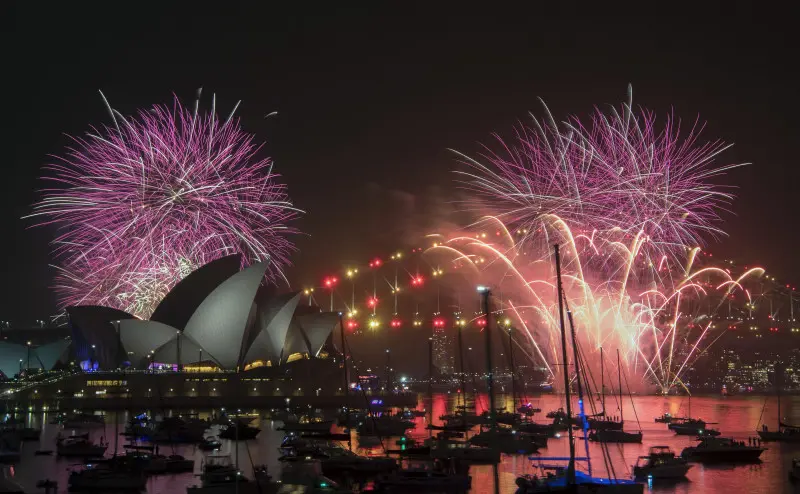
[443,358]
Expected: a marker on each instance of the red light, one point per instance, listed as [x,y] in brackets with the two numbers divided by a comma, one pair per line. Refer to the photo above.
[396,323]
[481,322]
[351,324]
[375,263]
[330,281]
[372,302]
[417,280]
[438,322]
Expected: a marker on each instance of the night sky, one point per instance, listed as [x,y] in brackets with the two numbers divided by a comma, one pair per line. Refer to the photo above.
[369,101]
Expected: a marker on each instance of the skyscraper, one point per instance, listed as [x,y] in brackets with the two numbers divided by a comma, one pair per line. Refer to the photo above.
[443,352]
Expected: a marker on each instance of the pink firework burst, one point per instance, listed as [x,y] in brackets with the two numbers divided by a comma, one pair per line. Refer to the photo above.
[140,204]
[621,171]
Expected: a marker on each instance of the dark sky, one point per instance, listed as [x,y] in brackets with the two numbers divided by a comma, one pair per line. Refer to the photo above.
[369,100]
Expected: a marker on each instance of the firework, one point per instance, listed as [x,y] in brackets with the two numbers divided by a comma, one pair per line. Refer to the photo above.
[141,203]
[661,316]
[619,171]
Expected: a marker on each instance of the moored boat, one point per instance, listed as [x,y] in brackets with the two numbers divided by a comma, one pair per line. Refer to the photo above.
[419,479]
[722,450]
[239,431]
[97,479]
[666,418]
[615,436]
[79,446]
[660,463]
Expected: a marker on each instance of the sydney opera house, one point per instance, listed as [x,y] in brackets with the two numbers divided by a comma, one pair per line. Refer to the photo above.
[219,333]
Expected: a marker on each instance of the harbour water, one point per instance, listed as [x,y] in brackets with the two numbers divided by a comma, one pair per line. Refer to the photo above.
[735,416]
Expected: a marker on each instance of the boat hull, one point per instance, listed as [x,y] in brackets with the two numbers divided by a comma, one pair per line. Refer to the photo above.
[781,437]
[610,436]
[677,471]
[722,456]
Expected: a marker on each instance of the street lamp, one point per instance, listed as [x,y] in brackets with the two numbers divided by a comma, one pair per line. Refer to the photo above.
[330,283]
[375,264]
[309,292]
[351,275]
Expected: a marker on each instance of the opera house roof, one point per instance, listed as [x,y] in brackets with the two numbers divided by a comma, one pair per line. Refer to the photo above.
[216,313]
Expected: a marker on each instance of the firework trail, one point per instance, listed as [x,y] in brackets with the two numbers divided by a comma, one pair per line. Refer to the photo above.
[630,202]
[140,204]
[659,316]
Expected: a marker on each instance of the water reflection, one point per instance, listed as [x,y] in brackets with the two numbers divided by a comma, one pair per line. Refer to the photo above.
[735,416]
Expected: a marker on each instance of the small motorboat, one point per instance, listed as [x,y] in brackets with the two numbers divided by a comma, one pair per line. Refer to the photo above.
[9,456]
[508,441]
[722,450]
[614,436]
[367,442]
[531,427]
[78,446]
[423,480]
[528,409]
[239,431]
[178,463]
[219,476]
[209,443]
[97,479]
[666,418]
[308,425]
[454,426]
[339,461]
[84,421]
[410,447]
[794,473]
[24,433]
[708,433]
[464,452]
[661,463]
[686,426]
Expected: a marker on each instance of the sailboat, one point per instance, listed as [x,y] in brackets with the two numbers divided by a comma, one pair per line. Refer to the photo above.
[570,480]
[688,426]
[786,433]
[599,421]
[612,435]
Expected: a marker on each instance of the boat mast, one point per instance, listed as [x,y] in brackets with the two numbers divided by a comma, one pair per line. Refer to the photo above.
[461,369]
[490,382]
[571,465]
[513,373]
[778,392]
[619,379]
[602,382]
[430,386]
[581,411]
[346,389]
